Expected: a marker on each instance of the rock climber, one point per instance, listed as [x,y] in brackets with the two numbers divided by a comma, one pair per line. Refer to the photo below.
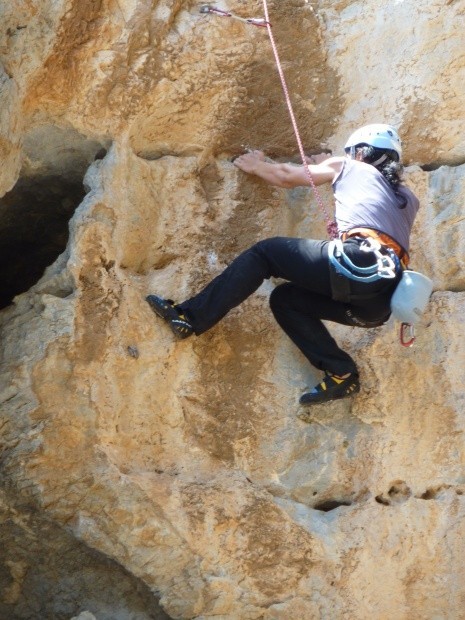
[348,281]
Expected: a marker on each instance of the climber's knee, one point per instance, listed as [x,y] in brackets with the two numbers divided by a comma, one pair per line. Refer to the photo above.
[280,296]
[269,245]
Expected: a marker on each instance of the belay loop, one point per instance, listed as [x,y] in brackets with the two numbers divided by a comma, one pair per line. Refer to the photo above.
[331,225]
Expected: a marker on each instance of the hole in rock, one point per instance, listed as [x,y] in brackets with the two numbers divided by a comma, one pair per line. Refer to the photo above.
[398,493]
[399,489]
[34,218]
[434,492]
[47,574]
[34,215]
[331,504]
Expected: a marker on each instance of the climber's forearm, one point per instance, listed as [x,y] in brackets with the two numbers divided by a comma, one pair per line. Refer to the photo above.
[281,175]
[287,175]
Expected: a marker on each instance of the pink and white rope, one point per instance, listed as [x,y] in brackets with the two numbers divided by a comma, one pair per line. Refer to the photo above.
[331,225]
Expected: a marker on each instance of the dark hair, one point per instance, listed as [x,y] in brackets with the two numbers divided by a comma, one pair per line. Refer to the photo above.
[390,167]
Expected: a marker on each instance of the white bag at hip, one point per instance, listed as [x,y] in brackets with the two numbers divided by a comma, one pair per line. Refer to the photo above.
[411,297]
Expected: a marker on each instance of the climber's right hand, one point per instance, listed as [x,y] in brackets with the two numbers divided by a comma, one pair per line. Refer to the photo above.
[248,161]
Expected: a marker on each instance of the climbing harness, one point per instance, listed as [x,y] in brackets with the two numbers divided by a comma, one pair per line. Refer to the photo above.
[385,266]
[343,270]
[331,226]
[382,238]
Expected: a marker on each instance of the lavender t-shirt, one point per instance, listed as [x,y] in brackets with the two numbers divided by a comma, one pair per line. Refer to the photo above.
[365,199]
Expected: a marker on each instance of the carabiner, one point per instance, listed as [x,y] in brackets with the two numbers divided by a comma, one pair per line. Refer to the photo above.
[206,8]
[411,334]
[255,21]
[258,21]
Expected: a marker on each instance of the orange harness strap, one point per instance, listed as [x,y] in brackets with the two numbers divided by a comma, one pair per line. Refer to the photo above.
[382,238]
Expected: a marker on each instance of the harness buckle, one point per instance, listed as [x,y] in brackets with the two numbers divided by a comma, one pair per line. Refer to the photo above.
[370,245]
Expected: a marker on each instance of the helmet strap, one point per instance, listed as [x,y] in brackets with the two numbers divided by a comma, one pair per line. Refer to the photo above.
[380,160]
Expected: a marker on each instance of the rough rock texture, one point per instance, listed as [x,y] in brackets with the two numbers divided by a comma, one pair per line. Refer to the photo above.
[46,573]
[183,463]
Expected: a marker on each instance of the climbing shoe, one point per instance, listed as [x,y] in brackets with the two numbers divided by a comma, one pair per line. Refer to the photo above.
[332,387]
[165,309]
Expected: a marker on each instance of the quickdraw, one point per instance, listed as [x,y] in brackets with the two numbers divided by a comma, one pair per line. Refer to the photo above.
[331,225]
[407,334]
[259,21]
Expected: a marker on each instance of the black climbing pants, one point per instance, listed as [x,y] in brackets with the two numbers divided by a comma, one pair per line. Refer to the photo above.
[300,304]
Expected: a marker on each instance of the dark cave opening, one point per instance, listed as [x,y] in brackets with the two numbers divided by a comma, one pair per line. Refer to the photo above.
[34,218]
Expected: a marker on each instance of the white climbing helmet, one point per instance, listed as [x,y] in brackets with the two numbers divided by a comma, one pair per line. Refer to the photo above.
[378,135]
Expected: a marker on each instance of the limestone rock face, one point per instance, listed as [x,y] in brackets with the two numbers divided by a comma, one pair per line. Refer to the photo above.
[47,573]
[179,468]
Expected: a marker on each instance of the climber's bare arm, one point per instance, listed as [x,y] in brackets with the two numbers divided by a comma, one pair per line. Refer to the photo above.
[287,175]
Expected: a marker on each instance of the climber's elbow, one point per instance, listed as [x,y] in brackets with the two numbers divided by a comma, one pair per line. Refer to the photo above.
[288,176]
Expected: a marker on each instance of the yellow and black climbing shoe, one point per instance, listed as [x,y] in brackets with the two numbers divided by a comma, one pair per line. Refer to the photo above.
[332,387]
[165,309]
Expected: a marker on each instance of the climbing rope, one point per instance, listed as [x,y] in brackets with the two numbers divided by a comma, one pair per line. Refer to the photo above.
[331,226]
